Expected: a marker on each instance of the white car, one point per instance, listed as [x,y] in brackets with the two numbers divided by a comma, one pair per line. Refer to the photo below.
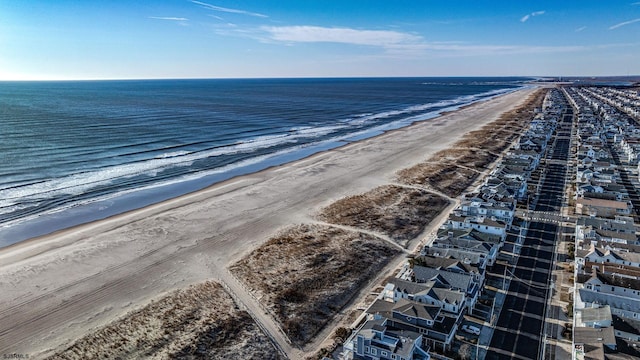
[471,329]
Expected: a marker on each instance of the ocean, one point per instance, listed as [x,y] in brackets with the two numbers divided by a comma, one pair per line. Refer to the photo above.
[77,151]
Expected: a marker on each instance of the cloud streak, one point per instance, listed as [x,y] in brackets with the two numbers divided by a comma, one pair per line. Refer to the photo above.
[624,24]
[528,16]
[170,18]
[398,43]
[475,50]
[380,38]
[228,10]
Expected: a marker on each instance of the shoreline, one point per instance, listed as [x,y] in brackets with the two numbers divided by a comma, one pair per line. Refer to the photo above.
[53,222]
[58,286]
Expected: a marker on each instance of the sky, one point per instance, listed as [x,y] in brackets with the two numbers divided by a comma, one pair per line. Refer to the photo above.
[140,39]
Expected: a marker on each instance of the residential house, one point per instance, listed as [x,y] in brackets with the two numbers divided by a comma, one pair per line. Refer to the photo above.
[437,327]
[499,210]
[375,341]
[628,329]
[468,245]
[602,208]
[611,257]
[595,317]
[620,305]
[479,223]
[590,343]
[431,292]
[464,282]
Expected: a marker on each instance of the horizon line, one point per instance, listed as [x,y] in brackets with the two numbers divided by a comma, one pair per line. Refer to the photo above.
[321,77]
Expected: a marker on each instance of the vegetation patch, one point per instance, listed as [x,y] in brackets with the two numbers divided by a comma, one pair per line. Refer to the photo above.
[473,158]
[306,274]
[399,212]
[445,177]
[201,321]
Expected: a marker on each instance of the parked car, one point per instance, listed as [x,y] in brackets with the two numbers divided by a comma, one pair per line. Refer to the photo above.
[471,329]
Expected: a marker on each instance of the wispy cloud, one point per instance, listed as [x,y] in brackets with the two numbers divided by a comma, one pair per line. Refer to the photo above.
[528,16]
[624,24]
[469,50]
[398,43]
[581,28]
[228,10]
[473,50]
[394,44]
[636,3]
[170,18]
[380,38]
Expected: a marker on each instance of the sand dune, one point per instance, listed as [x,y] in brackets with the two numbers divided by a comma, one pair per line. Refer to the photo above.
[201,321]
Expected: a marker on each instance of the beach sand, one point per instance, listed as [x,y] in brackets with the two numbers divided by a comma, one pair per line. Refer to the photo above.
[56,288]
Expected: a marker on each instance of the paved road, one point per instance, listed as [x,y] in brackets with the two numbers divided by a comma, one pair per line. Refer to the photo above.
[518,332]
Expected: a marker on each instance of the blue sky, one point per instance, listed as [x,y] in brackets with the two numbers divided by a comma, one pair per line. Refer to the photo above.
[118,39]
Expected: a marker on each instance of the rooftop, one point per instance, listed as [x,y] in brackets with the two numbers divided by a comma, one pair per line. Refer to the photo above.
[593,315]
[594,336]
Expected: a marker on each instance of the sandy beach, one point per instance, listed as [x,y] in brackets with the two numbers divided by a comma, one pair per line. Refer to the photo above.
[56,288]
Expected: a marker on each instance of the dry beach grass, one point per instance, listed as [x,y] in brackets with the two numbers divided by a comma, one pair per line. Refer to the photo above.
[400,213]
[445,177]
[307,273]
[199,322]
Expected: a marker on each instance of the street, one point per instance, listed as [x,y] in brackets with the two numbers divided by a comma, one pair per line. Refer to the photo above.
[518,332]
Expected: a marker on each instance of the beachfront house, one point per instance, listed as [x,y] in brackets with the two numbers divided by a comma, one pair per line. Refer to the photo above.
[499,210]
[375,340]
[452,265]
[468,245]
[531,157]
[436,326]
[431,293]
[467,283]
[479,223]
[515,185]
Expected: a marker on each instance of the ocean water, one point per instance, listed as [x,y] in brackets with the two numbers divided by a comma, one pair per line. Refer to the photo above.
[78,151]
